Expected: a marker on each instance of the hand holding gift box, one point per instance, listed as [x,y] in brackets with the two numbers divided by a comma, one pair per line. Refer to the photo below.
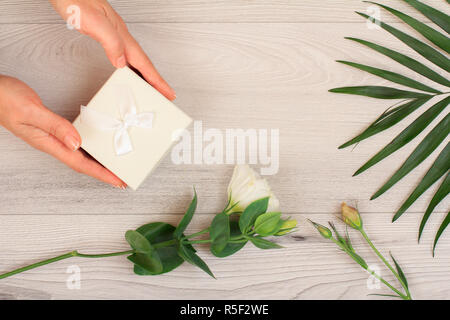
[129,126]
[23,113]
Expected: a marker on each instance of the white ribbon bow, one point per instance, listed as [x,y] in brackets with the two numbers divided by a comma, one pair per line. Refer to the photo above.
[128,118]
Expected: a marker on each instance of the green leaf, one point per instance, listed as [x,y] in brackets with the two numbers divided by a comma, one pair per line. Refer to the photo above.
[387,120]
[438,17]
[287,226]
[264,244]
[379,92]
[191,257]
[400,271]
[138,242]
[384,295]
[231,248]
[440,194]
[443,226]
[338,235]
[252,212]
[407,134]
[420,47]
[155,233]
[437,170]
[423,150]
[405,61]
[149,262]
[358,259]
[219,232]
[268,223]
[391,76]
[347,240]
[429,33]
[228,204]
[186,218]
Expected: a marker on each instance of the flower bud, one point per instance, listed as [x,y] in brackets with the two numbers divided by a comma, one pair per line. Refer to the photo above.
[286,227]
[324,231]
[351,216]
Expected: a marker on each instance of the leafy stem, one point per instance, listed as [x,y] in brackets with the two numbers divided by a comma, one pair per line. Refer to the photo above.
[352,218]
[365,267]
[378,253]
[158,247]
[62,257]
[198,241]
[206,230]
[103,255]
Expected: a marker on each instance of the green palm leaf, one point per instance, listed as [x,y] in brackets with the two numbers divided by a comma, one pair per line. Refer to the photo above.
[423,150]
[400,272]
[440,18]
[405,61]
[420,47]
[431,34]
[442,192]
[414,101]
[387,120]
[392,76]
[443,226]
[437,170]
[379,92]
[407,134]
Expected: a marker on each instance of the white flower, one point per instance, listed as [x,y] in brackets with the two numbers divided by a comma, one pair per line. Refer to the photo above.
[247,186]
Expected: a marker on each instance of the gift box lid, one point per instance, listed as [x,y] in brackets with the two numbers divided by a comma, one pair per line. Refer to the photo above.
[129,144]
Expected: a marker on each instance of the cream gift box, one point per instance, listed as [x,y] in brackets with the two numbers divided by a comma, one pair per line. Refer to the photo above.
[129,126]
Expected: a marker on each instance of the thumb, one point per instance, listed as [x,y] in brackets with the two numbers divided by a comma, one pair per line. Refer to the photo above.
[109,38]
[56,126]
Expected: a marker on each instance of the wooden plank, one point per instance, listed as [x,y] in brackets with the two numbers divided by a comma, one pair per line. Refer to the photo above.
[308,267]
[259,76]
[31,11]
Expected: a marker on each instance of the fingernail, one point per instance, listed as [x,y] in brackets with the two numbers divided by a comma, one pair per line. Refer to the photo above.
[121,62]
[120,186]
[72,143]
[174,95]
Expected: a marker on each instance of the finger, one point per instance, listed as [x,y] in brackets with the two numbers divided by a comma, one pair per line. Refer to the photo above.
[104,32]
[92,168]
[77,160]
[55,125]
[139,60]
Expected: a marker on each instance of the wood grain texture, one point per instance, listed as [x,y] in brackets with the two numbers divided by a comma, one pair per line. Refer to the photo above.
[309,267]
[229,76]
[270,70]
[40,11]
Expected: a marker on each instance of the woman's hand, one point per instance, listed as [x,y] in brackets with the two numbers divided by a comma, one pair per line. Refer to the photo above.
[22,113]
[99,20]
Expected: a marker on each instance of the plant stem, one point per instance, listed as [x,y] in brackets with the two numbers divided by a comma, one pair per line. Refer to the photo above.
[378,253]
[197,233]
[62,257]
[237,241]
[199,241]
[205,240]
[401,295]
[164,244]
[38,264]
[103,255]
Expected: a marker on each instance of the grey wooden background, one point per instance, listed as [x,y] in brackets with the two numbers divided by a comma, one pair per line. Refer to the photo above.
[234,64]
